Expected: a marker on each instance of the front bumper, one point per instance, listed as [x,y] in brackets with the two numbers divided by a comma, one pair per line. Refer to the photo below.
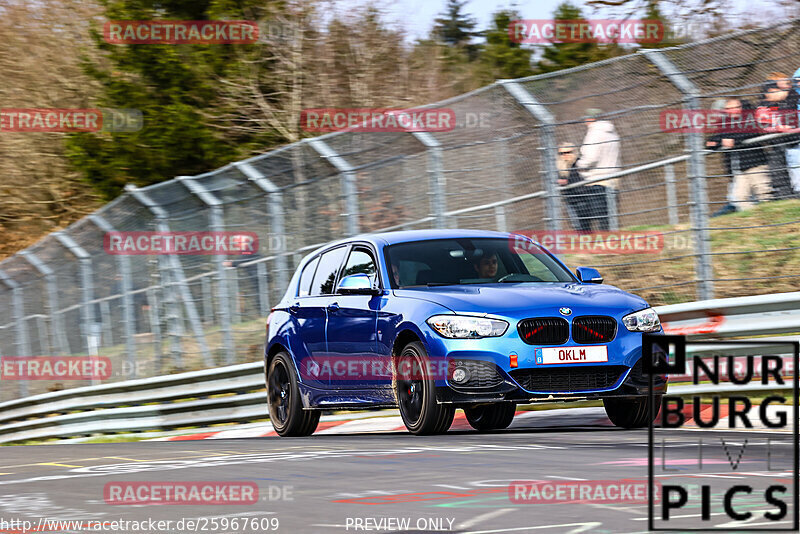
[493,379]
[619,382]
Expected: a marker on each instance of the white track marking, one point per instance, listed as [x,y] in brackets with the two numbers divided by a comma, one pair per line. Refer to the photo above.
[469,523]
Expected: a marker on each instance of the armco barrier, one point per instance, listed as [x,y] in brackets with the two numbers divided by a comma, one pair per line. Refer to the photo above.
[235,393]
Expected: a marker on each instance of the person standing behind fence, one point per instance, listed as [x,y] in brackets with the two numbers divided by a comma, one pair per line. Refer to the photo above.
[772,115]
[747,164]
[793,152]
[600,152]
[585,203]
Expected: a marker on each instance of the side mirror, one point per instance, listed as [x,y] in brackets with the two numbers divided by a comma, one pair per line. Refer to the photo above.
[589,275]
[357,284]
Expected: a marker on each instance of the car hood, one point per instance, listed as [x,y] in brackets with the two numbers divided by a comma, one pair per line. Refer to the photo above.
[529,300]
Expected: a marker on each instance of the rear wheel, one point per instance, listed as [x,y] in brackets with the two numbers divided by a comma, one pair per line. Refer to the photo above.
[285,407]
[490,416]
[630,412]
[416,394]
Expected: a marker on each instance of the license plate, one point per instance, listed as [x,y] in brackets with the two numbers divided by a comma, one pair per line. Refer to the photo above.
[562,355]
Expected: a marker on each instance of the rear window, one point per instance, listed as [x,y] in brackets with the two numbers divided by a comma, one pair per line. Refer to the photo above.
[328,268]
[304,288]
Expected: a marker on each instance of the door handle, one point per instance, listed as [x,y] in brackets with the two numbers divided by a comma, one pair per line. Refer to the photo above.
[294,308]
[333,307]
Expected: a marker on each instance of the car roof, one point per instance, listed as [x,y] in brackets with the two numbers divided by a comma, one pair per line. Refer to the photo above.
[381,239]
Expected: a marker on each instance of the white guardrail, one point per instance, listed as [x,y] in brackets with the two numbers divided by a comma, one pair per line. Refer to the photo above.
[236,393]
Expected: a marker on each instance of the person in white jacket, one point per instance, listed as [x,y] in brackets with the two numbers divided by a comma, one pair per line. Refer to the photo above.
[599,150]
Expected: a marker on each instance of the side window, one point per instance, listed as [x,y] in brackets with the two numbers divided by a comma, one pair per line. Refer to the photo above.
[360,262]
[304,288]
[327,269]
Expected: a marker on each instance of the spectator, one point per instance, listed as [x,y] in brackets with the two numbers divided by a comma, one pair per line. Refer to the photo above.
[746,164]
[793,152]
[785,83]
[729,207]
[585,202]
[600,149]
[772,115]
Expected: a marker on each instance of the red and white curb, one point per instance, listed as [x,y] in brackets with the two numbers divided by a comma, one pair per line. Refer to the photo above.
[386,421]
[370,423]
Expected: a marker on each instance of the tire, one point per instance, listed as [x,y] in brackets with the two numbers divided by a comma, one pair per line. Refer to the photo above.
[283,397]
[416,395]
[630,413]
[490,416]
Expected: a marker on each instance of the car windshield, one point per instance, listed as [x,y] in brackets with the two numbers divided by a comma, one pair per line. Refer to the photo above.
[460,261]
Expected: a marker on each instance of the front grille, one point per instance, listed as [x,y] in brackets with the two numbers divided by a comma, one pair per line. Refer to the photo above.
[544,331]
[481,374]
[572,379]
[593,329]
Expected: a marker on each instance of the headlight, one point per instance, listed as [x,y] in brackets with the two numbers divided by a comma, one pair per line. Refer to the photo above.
[463,327]
[642,321]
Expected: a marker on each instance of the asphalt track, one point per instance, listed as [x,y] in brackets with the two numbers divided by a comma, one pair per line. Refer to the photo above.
[457,482]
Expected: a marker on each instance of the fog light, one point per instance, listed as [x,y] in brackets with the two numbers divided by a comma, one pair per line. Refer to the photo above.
[460,375]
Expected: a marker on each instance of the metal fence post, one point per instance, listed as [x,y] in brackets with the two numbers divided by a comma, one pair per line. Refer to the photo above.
[155,326]
[672,196]
[217,224]
[22,341]
[550,148]
[436,178]
[276,219]
[500,218]
[87,288]
[58,335]
[208,300]
[126,286]
[169,263]
[263,288]
[348,176]
[613,208]
[695,144]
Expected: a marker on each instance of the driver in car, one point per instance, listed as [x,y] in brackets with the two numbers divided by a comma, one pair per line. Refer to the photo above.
[486,265]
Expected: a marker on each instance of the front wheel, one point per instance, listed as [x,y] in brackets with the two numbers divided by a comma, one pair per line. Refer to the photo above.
[285,407]
[490,416]
[630,412]
[416,394]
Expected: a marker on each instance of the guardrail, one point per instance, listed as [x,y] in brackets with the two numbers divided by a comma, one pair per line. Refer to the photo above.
[236,393]
[739,316]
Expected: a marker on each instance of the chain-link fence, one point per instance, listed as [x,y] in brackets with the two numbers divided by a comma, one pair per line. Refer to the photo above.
[509,164]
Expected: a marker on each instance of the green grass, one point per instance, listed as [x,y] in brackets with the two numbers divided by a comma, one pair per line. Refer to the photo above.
[739,242]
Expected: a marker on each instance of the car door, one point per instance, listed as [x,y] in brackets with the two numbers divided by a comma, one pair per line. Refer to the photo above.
[352,329]
[310,313]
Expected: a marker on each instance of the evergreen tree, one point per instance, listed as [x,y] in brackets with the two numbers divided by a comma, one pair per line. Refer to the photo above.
[455,28]
[172,85]
[500,57]
[558,56]
[653,12]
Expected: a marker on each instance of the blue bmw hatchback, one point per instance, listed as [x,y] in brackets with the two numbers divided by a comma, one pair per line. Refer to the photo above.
[434,320]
